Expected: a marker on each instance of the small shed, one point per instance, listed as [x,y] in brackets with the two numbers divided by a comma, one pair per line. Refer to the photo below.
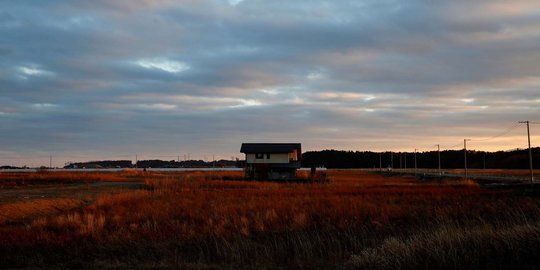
[272,161]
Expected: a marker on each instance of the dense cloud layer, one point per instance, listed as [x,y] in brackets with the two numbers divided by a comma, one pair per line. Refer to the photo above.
[111,79]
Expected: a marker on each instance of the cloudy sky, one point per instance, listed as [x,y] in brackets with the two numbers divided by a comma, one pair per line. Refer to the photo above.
[107,79]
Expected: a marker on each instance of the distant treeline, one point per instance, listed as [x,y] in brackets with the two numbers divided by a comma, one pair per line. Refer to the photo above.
[516,159]
[100,164]
[187,164]
[153,164]
[12,167]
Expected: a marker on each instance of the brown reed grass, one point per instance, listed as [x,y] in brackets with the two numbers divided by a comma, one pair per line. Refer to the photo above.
[197,219]
[15,212]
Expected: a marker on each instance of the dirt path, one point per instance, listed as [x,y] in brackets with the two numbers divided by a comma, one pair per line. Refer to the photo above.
[72,191]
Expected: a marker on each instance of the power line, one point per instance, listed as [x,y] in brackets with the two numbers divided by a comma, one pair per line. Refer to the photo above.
[152,156]
[505,132]
[452,146]
[429,149]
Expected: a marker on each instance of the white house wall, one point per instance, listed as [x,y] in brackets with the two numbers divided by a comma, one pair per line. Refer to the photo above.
[275,158]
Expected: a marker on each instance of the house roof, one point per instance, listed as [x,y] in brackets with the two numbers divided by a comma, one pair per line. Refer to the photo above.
[269,147]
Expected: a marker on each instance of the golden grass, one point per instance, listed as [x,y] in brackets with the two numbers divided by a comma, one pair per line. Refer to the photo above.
[455,247]
[36,208]
[10,179]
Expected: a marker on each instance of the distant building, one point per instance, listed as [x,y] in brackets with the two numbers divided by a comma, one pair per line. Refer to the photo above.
[273,161]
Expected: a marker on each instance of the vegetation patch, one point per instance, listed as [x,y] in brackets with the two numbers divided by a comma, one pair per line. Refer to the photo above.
[199,220]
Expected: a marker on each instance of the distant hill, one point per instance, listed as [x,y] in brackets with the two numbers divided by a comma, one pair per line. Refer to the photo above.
[100,164]
[156,163]
[11,167]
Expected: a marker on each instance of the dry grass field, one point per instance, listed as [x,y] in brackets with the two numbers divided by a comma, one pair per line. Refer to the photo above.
[498,172]
[519,173]
[208,220]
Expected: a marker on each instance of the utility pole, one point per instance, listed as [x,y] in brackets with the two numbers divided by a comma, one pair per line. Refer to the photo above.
[465,155]
[136,161]
[530,151]
[380,162]
[439,156]
[405,159]
[50,162]
[415,165]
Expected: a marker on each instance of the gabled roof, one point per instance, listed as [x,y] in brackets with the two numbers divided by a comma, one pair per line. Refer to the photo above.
[269,147]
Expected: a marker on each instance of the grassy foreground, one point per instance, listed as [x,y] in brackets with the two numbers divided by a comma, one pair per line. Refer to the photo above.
[206,220]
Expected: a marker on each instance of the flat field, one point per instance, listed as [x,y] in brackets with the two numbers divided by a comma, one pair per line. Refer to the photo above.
[210,220]
[506,173]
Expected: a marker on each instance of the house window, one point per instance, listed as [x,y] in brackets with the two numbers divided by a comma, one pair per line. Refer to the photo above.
[267,155]
[259,156]
[292,156]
